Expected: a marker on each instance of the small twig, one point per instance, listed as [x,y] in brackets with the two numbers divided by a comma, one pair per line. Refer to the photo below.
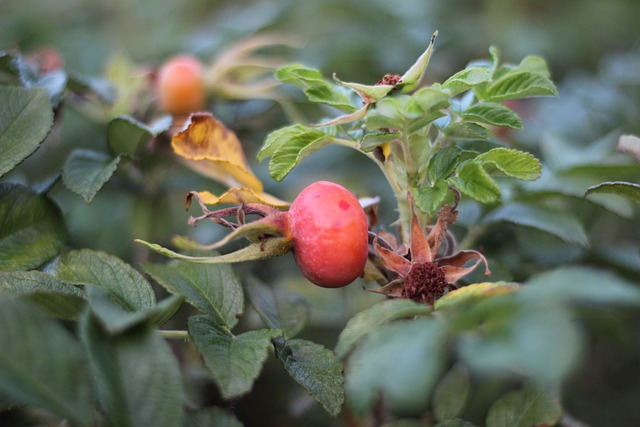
[175,335]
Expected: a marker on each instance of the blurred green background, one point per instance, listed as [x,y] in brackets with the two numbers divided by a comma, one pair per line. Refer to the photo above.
[593,50]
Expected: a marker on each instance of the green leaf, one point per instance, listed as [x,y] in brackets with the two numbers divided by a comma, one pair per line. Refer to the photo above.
[209,417]
[104,90]
[279,308]
[470,294]
[442,163]
[126,135]
[492,113]
[427,100]
[518,84]
[235,361]
[430,198]
[212,288]
[42,364]
[465,130]
[455,423]
[86,171]
[278,137]
[316,369]
[412,77]
[372,318]
[369,93]
[450,395]
[26,117]
[86,266]
[473,181]
[586,285]
[625,189]
[527,407]
[32,229]
[398,363]
[137,375]
[58,298]
[510,162]
[292,151]
[560,224]
[372,140]
[467,79]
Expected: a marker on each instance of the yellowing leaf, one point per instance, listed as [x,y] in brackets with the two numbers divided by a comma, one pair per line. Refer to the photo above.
[242,195]
[213,150]
[474,292]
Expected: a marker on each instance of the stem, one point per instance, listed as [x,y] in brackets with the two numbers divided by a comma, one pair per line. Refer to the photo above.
[175,335]
[469,240]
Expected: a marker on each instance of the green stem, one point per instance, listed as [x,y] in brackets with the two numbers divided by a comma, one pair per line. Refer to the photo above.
[175,335]
[469,240]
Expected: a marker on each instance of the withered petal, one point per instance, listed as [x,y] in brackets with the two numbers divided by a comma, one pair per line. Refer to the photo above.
[420,250]
[391,289]
[453,266]
[391,260]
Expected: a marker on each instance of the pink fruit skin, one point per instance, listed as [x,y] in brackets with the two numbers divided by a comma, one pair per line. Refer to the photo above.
[330,234]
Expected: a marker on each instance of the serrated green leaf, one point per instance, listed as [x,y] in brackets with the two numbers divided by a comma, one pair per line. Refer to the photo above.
[518,84]
[326,94]
[560,224]
[279,137]
[316,369]
[427,100]
[510,162]
[235,361]
[384,365]
[137,375]
[473,181]
[10,68]
[467,79]
[443,163]
[42,364]
[429,199]
[86,171]
[26,117]
[527,407]
[209,417]
[125,135]
[291,152]
[492,113]
[372,140]
[279,308]
[450,395]
[212,289]
[372,318]
[534,64]
[299,75]
[462,130]
[32,230]
[98,268]
[57,297]
[625,189]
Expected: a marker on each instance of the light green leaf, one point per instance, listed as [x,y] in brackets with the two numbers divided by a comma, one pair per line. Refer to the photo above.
[327,94]
[474,181]
[86,266]
[625,189]
[510,162]
[469,294]
[235,361]
[527,407]
[32,229]
[369,94]
[374,139]
[383,367]
[278,137]
[492,113]
[316,369]
[42,364]
[518,84]
[450,395]
[467,79]
[126,135]
[430,198]
[86,171]
[291,152]
[412,77]
[212,289]
[466,130]
[279,308]
[101,88]
[57,297]
[427,100]
[26,117]
[137,375]
[560,224]
[210,417]
[443,163]
[346,118]
[372,318]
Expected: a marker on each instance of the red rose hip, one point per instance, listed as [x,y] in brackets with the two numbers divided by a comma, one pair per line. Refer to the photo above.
[330,234]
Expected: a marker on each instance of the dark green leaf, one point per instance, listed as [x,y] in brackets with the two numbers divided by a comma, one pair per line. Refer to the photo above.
[455,423]
[398,363]
[126,135]
[473,181]
[235,361]
[372,318]
[128,287]
[450,395]
[211,288]
[32,229]
[467,79]
[560,224]
[326,94]
[374,139]
[442,163]
[26,117]
[137,375]
[59,298]
[429,199]
[86,171]
[491,113]
[292,151]
[527,407]
[510,162]
[316,369]
[625,189]
[211,417]
[42,364]
[465,130]
[279,308]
